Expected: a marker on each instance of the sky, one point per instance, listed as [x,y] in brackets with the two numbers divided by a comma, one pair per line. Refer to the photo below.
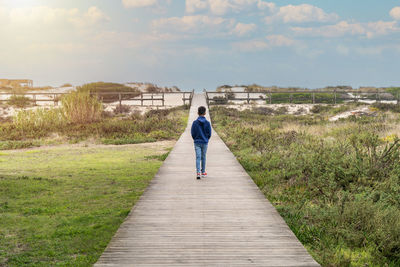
[196,44]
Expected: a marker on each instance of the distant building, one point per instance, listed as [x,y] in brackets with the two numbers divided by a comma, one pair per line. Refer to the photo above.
[24,83]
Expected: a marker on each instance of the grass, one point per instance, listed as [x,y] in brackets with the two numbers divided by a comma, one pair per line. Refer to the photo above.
[336,184]
[61,206]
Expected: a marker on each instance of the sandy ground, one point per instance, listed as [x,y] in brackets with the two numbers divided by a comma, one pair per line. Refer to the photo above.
[344,115]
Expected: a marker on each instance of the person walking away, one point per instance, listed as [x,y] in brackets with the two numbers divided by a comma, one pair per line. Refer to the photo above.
[201,133]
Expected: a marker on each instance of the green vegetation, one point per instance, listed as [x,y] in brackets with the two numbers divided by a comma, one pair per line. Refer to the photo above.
[395,91]
[336,184]
[102,87]
[61,206]
[81,107]
[19,101]
[305,98]
[32,128]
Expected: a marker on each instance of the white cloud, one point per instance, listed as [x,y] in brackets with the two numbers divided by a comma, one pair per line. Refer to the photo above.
[222,7]
[43,29]
[370,30]
[242,29]
[139,3]
[395,13]
[266,5]
[192,25]
[279,40]
[256,45]
[93,16]
[250,45]
[68,47]
[193,6]
[43,16]
[300,14]
[381,28]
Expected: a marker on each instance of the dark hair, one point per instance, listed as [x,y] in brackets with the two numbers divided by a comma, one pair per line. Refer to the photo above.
[201,110]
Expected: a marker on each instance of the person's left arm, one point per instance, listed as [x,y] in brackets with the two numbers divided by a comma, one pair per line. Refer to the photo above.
[208,130]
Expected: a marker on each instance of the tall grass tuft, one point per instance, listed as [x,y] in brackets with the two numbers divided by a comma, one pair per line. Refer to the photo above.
[81,107]
[32,120]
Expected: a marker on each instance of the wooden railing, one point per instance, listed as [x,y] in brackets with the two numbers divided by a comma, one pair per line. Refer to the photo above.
[299,97]
[157,99]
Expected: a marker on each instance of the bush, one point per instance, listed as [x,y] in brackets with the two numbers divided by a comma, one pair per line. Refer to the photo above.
[81,107]
[220,100]
[122,109]
[320,109]
[19,101]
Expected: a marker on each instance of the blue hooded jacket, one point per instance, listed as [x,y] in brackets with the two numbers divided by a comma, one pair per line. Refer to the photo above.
[201,130]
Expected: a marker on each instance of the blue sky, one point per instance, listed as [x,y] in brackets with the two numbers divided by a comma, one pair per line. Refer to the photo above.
[196,44]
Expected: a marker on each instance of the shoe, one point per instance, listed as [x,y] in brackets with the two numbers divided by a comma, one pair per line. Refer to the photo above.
[204,174]
[198,176]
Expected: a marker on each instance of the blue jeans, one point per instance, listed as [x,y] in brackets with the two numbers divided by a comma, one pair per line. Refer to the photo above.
[201,150]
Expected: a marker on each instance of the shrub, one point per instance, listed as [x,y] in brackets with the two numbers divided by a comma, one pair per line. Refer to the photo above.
[19,101]
[320,109]
[220,100]
[81,107]
[122,109]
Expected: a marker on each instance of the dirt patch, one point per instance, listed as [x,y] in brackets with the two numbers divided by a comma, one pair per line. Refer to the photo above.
[161,145]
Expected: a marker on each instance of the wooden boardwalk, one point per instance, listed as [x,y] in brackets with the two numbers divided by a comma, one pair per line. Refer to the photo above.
[221,220]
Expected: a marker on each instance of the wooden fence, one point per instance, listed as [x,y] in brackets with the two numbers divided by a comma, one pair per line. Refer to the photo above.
[109,97]
[299,97]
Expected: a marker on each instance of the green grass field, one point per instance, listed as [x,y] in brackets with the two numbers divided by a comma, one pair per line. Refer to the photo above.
[60,206]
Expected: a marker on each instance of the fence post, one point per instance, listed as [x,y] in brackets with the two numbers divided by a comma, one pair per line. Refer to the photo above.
[141,98]
[191,97]
[290,98]
[163,99]
[398,98]
[248,98]
[120,101]
[313,98]
[379,96]
[34,99]
[55,100]
[270,97]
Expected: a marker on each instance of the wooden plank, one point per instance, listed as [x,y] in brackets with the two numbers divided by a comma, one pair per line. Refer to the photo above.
[221,220]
